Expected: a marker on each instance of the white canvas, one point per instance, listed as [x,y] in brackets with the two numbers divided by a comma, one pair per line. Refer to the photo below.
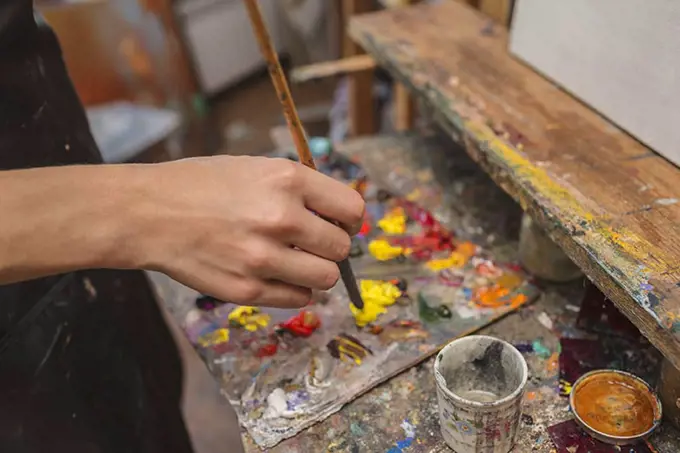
[621,57]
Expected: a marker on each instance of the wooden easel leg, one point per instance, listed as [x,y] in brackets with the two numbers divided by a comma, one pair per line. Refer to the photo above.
[404,108]
[361,105]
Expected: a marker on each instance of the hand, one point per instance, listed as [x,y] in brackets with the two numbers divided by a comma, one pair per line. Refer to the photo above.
[242,228]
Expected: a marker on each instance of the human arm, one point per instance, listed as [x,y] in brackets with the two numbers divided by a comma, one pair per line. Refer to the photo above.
[226,226]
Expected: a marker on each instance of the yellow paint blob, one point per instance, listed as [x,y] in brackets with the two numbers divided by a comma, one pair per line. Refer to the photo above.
[394,222]
[214,338]
[382,250]
[250,318]
[456,259]
[414,195]
[376,295]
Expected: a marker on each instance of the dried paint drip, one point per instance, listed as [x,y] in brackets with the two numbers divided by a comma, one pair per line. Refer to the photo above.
[615,404]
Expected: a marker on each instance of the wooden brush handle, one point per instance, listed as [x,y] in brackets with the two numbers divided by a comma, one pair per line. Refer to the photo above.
[280,84]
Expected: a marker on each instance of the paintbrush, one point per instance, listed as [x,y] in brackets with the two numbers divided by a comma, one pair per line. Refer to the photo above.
[294,125]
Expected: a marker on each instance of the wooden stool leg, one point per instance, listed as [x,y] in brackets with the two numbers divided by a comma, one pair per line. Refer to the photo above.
[669,392]
[541,256]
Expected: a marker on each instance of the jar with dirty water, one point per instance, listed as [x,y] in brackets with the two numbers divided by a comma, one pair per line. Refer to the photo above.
[480,384]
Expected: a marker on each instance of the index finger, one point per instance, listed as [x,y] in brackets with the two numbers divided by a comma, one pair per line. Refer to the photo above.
[333,200]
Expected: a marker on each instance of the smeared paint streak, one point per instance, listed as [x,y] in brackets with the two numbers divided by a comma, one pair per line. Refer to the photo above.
[562,198]
[666,201]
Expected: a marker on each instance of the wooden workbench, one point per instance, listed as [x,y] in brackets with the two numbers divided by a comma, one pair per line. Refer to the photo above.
[608,201]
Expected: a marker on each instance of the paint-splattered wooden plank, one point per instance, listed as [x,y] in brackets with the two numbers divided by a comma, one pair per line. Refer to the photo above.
[609,201]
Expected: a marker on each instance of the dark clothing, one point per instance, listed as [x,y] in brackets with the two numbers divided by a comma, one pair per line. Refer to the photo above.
[87,363]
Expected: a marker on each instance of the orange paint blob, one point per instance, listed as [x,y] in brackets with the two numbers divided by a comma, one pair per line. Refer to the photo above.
[491,297]
[615,404]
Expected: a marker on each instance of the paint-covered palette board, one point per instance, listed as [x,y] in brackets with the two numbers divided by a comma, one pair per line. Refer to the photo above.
[284,371]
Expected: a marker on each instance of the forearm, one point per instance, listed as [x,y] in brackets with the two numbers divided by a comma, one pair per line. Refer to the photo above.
[241,229]
[54,220]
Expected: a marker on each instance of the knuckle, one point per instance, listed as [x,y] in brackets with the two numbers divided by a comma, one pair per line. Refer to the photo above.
[287,174]
[280,219]
[259,258]
[249,291]
[329,277]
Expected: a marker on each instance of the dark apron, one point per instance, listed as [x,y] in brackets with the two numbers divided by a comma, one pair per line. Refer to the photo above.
[87,363]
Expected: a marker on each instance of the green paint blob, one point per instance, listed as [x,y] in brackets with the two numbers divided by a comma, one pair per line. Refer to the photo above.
[540,349]
[427,313]
[357,430]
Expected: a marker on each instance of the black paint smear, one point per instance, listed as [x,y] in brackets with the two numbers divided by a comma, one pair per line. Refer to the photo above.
[653,300]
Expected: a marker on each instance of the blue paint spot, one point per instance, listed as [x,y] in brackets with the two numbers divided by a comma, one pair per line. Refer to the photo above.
[467,292]
[405,443]
[394,450]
